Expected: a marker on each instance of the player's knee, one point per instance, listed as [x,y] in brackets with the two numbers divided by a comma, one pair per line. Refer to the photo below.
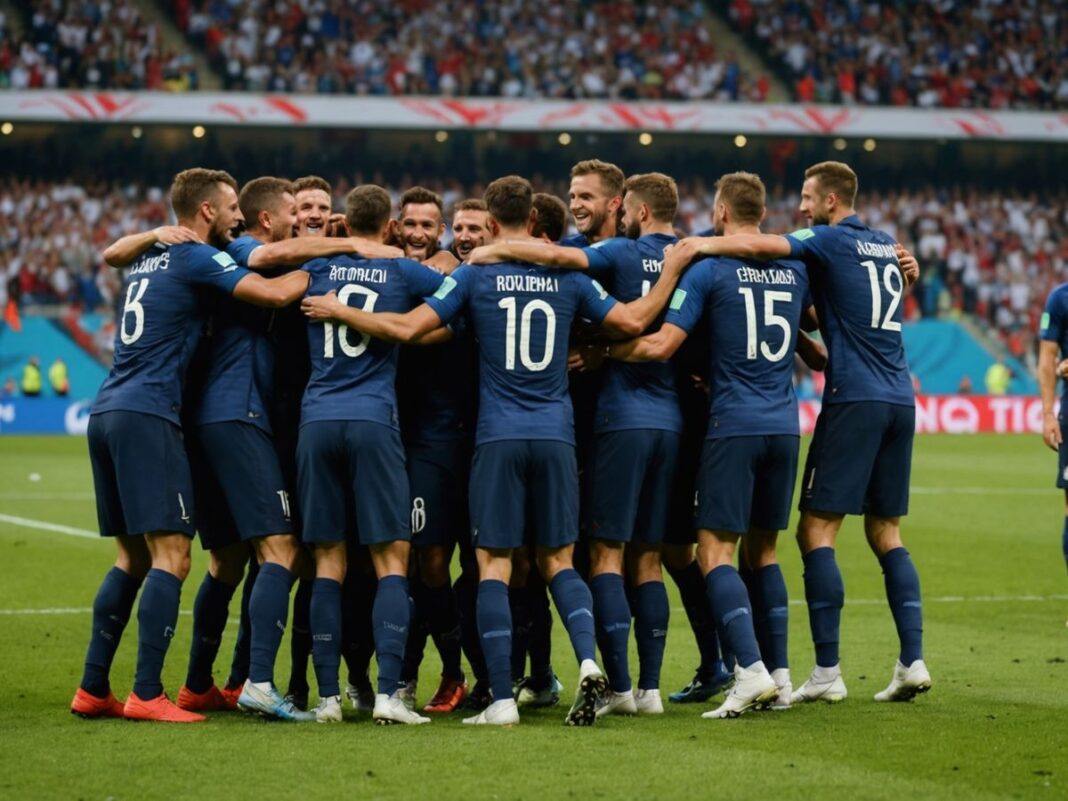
[760,548]
[606,557]
[281,549]
[677,557]
[330,562]
[228,564]
[133,557]
[552,560]
[391,558]
[644,566]
[494,565]
[883,533]
[434,565]
[817,531]
[715,548]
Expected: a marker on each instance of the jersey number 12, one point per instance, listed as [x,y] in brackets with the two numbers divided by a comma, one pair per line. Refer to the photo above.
[878,319]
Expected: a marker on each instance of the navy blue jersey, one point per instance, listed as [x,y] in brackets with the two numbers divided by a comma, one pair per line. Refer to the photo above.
[522,315]
[575,241]
[857,286]
[753,311]
[160,323]
[639,395]
[436,389]
[1054,324]
[352,374]
[239,369]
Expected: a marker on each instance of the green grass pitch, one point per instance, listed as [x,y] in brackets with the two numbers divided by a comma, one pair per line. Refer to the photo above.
[984,531]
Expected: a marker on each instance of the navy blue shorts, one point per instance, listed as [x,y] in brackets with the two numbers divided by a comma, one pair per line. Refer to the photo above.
[860,459]
[437,479]
[140,474]
[633,474]
[1062,455]
[683,505]
[350,474]
[747,482]
[524,491]
[240,492]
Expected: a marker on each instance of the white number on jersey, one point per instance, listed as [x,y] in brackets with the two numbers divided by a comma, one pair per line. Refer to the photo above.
[525,317]
[134,292]
[889,272]
[370,297]
[770,319]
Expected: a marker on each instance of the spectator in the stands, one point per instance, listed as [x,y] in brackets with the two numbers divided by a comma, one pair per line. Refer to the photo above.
[31,378]
[58,379]
[998,376]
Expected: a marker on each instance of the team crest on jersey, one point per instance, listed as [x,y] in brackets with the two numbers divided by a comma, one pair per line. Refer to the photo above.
[803,233]
[223,259]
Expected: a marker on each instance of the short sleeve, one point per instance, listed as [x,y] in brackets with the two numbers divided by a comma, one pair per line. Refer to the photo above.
[602,256]
[1051,326]
[216,268]
[452,294]
[806,244]
[420,279]
[688,303]
[594,301]
[241,248]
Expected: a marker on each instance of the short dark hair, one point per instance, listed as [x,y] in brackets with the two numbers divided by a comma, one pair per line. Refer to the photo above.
[471,204]
[312,182]
[367,209]
[261,194]
[658,191]
[836,177]
[420,194]
[744,194]
[552,217]
[192,187]
[611,176]
[509,200]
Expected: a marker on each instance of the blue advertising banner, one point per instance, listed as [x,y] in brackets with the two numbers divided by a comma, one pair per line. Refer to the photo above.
[44,416]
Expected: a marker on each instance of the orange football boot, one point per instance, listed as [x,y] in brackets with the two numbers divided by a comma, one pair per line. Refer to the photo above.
[211,700]
[160,708]
[89,706]
[451,693]
[230,695]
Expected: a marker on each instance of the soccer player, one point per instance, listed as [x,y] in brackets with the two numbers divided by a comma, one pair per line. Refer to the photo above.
[350,457]
[470,227]
[861,451]
[524,474]
[140,470]
[631,468]
[436,392]
[1053,331]
[749,461]
[551,219]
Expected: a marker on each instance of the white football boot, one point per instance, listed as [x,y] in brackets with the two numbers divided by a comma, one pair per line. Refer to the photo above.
[361,698]
[329,709]
[782,701]
[825,684]
[592,687]
[390,709]
[407,694]
[753,686]
[613,703]
[648,702]
[907,683]
[500,713]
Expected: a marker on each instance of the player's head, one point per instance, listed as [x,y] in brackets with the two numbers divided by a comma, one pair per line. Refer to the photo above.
[740,199]
[421,223]
[829,192]
[367,210]
[551,217]
[314,204]
[208,199]
[648,198]
[269,208]
[510,203]
[596,193]
[470,226]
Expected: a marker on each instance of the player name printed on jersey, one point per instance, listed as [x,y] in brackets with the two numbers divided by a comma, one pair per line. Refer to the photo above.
[372,275]
[527,283]
[876,249]
[767,275]
[653,265]
[149,264]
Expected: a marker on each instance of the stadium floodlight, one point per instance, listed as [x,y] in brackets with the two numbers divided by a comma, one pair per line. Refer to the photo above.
[869,145]
[839,143]
[441,136]
[199,131]
[136,132]
[645,138]
[564,139]
[740,140]
[7,128]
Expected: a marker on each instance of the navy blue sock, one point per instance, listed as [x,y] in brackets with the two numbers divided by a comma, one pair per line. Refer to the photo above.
[391,617]
[210,610]
[752,588]
[612,618]
[691,586]
[730,606]
[157,615]
[774,609]
[111,610]
[268,611]
[522,624]
[825,594]
[243,646]
[541,632]
[651,613]
[903,594]
[466,588]
[418,632]
[300,639]
[495,631]
[1064,541]
[443,617]
[325,617]
[575,607]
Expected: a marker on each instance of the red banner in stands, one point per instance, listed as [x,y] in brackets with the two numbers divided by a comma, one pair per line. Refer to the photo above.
[961,414]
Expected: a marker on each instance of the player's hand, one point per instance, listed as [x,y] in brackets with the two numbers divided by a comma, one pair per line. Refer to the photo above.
[1051,430]
[677,257]
[337,225]
[484,254]
[1062,369]
[321,307]
[176,234]
[585,358]
[910,268]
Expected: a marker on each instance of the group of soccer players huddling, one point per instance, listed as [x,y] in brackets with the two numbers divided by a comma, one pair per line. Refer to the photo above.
[335,403]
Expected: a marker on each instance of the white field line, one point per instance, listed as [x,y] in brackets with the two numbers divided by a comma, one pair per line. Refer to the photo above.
[1051,491]
[46,496]
[44,525]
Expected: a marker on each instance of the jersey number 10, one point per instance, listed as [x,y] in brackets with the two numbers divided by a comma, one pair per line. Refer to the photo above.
[525,318]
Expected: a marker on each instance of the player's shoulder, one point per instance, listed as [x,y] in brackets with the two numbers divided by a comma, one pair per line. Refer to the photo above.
[575,241]
[198,254]
[320,264]
[242,246]
[1059,293]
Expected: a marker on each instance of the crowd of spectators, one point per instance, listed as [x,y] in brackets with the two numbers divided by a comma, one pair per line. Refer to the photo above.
[89,44]
[574,48]
[946,53]
[989,255]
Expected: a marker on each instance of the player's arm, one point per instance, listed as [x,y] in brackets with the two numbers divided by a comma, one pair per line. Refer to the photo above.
[1048,354]
[631,319]
[297,250]
[658,346]
[438,336]
[405,328]
[442,262]
[810,321]
[544,253]
[910,268]
[812,352]
[272,293]
[123,252]
[762,247]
